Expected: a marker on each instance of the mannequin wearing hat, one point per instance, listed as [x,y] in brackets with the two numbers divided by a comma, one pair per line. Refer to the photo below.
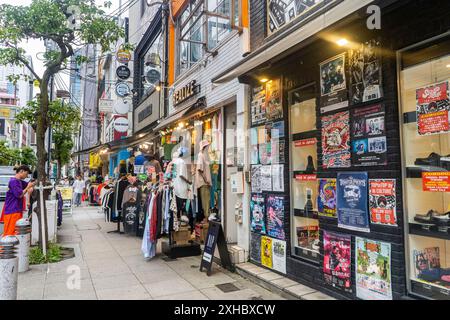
[203,178]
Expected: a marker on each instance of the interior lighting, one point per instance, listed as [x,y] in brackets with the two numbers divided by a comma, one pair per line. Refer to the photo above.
[263,80]
[342,42]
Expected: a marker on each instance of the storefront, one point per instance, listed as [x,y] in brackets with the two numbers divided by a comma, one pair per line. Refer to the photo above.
[333,203]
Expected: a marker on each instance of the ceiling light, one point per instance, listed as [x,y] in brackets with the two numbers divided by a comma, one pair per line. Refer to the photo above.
[158,88]
[448,66]
[342,42]
[263,80]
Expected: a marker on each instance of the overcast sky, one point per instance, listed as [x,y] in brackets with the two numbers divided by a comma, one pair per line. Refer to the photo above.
[34,47]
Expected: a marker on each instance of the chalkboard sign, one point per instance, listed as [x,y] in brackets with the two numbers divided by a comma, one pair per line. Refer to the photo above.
[215,237]
[130,213]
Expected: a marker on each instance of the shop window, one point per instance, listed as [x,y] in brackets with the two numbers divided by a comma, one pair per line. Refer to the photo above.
[150,64]
[424,89]
[304,184]
[202,26]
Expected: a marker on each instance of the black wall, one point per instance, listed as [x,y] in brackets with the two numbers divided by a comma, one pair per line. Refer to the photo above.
[406,23]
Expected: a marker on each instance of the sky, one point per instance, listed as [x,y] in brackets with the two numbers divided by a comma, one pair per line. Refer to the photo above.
[35,48]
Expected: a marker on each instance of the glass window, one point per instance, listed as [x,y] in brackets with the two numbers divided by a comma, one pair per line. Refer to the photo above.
[304,182]
[424,89]
[151,67]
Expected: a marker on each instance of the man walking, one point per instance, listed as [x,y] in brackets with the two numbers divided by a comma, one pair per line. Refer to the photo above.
[78,188]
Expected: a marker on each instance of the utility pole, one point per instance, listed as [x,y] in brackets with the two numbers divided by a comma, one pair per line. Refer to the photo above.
[50,133]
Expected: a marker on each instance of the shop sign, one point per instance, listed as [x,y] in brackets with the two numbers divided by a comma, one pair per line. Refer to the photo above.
[105,105]
[122,89]
[153,76]
[121,107]
[123,72]
[186,92]
[306,177]
[436,181]
[121,124]
[305,142]
[5,112]
[145,113]
[123,56]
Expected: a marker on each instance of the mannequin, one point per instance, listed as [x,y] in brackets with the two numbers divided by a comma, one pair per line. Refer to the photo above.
[203,178]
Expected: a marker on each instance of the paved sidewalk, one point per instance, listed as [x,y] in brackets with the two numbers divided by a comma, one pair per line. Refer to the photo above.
[111,266]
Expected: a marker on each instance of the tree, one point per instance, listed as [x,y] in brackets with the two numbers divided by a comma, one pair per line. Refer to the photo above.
[28,157]
[66,23]
[13,156]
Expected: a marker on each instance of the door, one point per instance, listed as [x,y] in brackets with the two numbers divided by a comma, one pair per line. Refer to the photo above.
[230,168]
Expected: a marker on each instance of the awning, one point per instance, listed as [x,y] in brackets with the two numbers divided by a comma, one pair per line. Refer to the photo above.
[181,114]
[275,49]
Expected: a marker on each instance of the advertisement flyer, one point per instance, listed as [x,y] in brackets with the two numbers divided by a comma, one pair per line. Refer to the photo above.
[373,269]
[352,199]
[256,179]
[278,177]
[253,136]
[365,72]
[257,214]
[254,154]
[277,130]
[258,105]
[368,136]
[333,84]
[274,108]
[336,140]
[275,217]
[279,255]
[265,153]
[337,260]
[432,104]
[266,252]
[436,181]
[255,247]
[382,202]
[266,178]
[278,146]
[326,199]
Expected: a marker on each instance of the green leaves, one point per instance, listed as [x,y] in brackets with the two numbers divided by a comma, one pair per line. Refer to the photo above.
[11,157]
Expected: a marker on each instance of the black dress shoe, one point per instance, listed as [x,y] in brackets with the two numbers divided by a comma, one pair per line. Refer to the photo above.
[441,219]
[432,160]
[310,166]
[426,218]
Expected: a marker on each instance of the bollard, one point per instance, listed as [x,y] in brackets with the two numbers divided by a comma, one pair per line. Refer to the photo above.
[23,234]
[9,268]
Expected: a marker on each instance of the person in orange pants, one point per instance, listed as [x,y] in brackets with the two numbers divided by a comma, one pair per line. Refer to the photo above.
[14,204]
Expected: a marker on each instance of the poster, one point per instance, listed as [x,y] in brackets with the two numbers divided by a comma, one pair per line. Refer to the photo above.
[254,154]
[326,200]
[333,84]
[277,130]
[275,217]
[66,193]
[278,147]
[279,255]
[365,72]
[266,178]
[308,237]
[432,105]
[255,247]
[253,136]
[426,259]
[258,105]
[337,261]
[373,269]
[336,140]
[436,181]
[257,214]
[265,153]
[382,202]
[368,135]
[352,199]
[278,178]
[266,252]
[256,179]
[274,108]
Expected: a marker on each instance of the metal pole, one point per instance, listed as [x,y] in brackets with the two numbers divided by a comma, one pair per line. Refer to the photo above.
[23,234]
[44,240]
[9,268]
[50,133]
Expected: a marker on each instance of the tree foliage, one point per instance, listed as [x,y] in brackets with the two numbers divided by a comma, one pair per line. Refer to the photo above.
[14,156]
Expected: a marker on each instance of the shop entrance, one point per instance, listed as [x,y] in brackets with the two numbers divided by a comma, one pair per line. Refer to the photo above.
[230,168]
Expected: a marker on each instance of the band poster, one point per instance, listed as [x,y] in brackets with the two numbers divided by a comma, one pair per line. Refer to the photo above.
[337,260]
[258,105]
[256,179]
[365,72]
[274,107]
[258,214]
[373,269]
[333,84]
[382,202]
[432,104]
[369,147]
[266,252]
[278,178]
[279,255]
[352,194]
[336,140]
[275,217]
[326,200]
[255,247]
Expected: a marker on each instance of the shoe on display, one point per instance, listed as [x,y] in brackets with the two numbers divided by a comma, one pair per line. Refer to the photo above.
[310,166]
[426,218]
[432,160]
[441,219]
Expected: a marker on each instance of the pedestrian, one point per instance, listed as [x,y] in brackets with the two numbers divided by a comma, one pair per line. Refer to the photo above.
[14,202]
[78,188]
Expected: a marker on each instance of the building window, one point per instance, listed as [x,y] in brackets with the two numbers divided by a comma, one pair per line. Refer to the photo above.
[150,65]
[202,25]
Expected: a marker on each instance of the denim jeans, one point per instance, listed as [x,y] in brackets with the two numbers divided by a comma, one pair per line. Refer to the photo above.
[77,198]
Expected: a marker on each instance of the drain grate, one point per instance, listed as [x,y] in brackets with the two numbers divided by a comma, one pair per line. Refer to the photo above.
[168,259]
[227,287]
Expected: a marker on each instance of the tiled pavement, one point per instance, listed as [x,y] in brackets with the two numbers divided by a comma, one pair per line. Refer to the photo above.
[111,266]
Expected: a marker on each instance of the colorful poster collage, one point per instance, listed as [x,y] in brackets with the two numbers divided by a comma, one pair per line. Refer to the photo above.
[275,216]
[333,84]
[373,269]
[337,260]
[382,202]
[336,140]
[258,214]
[369,147]
[433,105]
[326,200]
[352,199]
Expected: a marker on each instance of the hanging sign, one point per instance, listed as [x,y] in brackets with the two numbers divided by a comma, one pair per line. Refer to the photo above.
[123,72]
[122,89]
[153,76]
[123,56]
[121,124]
[121,107]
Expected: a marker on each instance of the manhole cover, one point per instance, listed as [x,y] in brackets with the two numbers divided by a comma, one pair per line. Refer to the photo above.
[227,287]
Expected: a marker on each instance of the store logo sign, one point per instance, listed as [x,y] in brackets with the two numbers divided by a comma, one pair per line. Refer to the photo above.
[374,20]
[186,92]
[145,113]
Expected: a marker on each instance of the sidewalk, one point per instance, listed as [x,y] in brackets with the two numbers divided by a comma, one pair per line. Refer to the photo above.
[111,266]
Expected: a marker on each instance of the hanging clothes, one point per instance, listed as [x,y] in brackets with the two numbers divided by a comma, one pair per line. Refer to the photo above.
[149,241]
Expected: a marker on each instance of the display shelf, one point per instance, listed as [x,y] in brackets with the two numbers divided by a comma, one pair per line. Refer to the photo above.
[432,232]
[307,254]
[306,214]
[304,135]
[430,290]
[416,172]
